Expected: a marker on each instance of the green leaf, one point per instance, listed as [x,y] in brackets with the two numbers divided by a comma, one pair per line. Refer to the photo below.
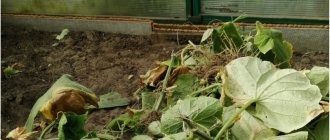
[10,71]
[154,128]
[71,126]
[185,84]
[225,36]
[231,30]
[285,99]
[205,111]
[112,99]
[249,127]
[294,136]
[177,136]
[148,99]
[321,131]
[320,76]
[217,43]
[271,39]
[283,54]
[176,62]
[125,120]
[63,34]
[141,137]
[207,35]
[62,84]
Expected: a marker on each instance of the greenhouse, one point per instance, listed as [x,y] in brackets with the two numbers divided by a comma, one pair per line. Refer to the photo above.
[168,70]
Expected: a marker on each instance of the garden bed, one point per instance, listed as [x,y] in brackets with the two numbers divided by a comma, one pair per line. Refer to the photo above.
[100,61]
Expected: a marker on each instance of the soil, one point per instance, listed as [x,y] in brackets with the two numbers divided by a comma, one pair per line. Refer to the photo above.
[100,61]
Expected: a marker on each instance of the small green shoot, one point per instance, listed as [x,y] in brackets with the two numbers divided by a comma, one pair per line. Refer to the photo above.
[62,35]
[10,72]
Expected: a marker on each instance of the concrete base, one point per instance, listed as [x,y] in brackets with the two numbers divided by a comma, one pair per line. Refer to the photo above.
[58,24]
[302,39]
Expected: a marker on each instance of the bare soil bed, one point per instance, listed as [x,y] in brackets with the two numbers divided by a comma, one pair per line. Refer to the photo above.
[100,61]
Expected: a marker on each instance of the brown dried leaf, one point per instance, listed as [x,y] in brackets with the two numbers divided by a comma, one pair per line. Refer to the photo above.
[325,106]
[19,134]
[67,101]
[152,77]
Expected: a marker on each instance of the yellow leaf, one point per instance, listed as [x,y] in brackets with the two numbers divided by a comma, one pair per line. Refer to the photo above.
[67,101]
[19,134]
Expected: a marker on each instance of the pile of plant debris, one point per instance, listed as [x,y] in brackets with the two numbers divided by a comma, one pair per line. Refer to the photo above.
[234,85]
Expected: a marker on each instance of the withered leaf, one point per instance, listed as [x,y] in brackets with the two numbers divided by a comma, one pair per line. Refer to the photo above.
[19,134]
[152,77]
[67,101]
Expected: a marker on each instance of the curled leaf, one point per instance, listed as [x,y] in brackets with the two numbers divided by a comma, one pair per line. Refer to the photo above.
[64,90]
[67,101]
[19,134]
[152,77]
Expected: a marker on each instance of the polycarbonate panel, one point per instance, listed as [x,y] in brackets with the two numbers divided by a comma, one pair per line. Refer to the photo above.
[136,8]
[293,9]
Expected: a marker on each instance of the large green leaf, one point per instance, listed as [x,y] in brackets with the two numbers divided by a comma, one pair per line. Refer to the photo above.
[205,111]
[294,136]
[249,127]
[71,126]
[320,76]
[185,84]
[271,39]
[62,84]
[284,99]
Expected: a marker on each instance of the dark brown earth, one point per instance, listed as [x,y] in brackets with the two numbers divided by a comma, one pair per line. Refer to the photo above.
[97,60]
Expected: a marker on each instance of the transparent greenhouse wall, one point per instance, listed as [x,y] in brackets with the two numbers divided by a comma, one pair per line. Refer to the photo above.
[291,9]
[138,8]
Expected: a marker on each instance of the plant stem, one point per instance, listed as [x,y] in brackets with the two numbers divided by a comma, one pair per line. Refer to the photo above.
[194,125]
[204,89]
[46,130]
[162,93]
[201,134]
[232,119]
[183,52]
